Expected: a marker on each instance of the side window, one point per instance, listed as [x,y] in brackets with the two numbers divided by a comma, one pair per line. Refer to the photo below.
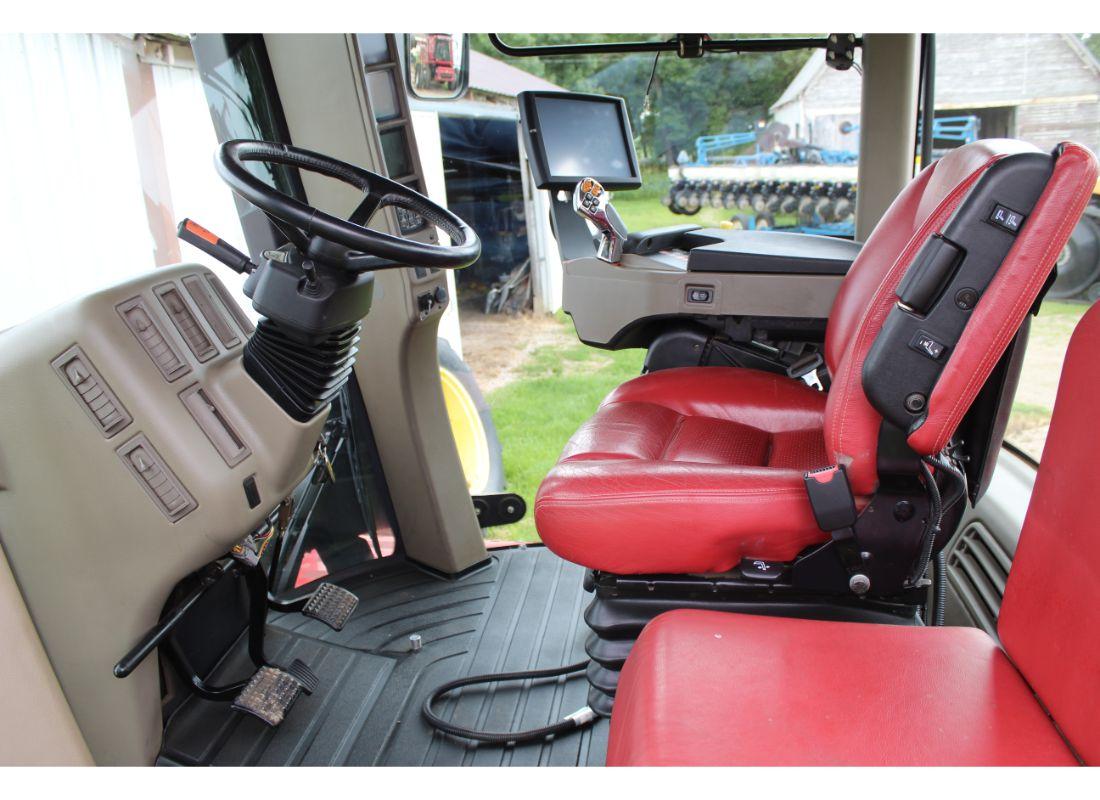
[1039,88]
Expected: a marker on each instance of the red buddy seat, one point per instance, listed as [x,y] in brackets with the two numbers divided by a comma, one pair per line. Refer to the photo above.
[711,688]
[689,470]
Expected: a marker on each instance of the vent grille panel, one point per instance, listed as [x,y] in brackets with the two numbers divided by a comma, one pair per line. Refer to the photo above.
[189,328]
[243,322]
[197,288]
[93,393]
[162,486]
[977,569]
[163,353]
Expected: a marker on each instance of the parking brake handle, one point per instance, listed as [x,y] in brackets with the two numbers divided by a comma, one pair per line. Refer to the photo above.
[592,202]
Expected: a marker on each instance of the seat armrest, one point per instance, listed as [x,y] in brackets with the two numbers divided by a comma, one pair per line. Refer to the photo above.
[654,240]
[771,252]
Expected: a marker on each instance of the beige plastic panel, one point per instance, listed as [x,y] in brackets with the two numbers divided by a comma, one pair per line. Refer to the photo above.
[603,298]
[94,555]
[36,725]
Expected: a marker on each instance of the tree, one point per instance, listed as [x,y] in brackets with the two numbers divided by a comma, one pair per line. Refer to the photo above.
[1092,43]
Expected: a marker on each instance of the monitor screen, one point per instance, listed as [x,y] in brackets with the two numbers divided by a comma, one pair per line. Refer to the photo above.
[573,136]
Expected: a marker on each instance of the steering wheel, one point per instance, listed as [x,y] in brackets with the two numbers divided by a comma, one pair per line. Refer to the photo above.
[304,225]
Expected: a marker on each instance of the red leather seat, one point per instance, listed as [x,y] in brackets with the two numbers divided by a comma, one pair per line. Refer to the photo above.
[689,470]
[703,687]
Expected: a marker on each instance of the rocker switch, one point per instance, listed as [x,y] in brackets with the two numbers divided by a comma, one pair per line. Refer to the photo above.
[1007,219]
[927,346]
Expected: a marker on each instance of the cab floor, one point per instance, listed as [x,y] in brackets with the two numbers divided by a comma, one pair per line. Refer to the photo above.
[522,611]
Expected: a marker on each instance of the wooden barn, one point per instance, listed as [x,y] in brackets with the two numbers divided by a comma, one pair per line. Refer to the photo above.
[1041,87]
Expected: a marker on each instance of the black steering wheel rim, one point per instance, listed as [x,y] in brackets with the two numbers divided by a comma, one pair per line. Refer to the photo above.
[351,233]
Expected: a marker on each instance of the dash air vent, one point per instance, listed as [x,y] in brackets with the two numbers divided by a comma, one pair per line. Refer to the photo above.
[189,328]
[977,569]
[243,322]
[200,293]
[141,323]
[93,393]
[153,474]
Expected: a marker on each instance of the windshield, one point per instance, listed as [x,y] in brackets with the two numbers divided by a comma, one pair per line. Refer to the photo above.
[755,140]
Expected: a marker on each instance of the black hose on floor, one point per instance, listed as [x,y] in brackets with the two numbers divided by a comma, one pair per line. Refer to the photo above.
[581,718]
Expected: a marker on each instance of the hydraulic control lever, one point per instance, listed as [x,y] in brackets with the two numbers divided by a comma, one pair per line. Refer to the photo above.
[592,202]
[213,245]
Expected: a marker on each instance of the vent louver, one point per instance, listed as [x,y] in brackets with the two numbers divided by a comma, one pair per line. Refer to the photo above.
[88,386]
[189,328]
[243,322]
[140,322]
[200,293]
[301,377]
[162,486]
[977,569]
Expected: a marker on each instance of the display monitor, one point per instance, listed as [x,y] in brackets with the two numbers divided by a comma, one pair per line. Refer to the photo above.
[571,136]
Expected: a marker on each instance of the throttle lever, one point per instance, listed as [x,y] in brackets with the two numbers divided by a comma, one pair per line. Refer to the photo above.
[214,246]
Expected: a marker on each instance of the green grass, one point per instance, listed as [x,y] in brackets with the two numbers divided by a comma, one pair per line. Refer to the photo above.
[559,388]
[1034,402]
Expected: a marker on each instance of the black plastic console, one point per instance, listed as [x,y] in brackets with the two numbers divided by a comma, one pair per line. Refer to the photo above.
[769,252]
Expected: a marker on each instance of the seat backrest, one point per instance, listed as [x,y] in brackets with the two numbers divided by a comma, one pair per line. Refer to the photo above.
[923,209]
[1050,618]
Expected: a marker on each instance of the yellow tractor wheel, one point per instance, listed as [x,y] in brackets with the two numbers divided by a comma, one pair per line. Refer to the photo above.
[471,423]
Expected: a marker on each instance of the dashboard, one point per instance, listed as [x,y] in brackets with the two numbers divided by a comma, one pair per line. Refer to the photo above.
[134,449]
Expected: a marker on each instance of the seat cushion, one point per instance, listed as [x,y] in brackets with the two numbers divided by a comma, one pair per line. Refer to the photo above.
[710,688]
[688,470]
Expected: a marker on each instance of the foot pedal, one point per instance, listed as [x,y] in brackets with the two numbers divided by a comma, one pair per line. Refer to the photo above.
[272,691]
[331,605]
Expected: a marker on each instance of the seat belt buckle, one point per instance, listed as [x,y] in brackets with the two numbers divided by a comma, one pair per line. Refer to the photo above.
[831,499]
[805,365]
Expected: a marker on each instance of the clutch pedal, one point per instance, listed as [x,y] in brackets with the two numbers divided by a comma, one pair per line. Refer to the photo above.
[272,691]
[331,605]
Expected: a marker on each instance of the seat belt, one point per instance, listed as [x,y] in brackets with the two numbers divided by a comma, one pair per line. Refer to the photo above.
[834,509]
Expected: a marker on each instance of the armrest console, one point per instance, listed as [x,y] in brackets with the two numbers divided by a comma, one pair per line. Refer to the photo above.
[713,250]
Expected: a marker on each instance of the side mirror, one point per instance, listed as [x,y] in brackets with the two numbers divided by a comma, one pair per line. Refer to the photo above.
[437,65]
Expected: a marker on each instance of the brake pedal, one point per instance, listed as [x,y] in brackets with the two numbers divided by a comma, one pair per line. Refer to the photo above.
[272,691]
[331,605]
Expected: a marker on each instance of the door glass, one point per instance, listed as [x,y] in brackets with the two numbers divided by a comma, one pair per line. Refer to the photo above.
[244,104]
[343,519]
[1042,88]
